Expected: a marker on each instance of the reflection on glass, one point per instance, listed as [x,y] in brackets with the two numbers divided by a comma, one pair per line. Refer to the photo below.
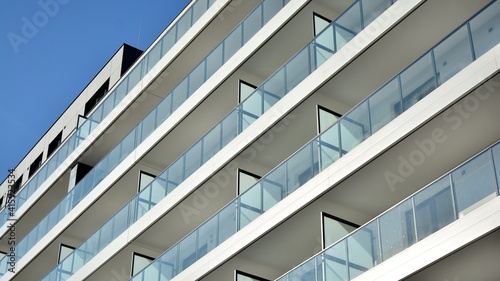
[468,178]
[434,208]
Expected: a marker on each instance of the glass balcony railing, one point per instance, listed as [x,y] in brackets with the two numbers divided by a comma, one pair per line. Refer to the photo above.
[234,123]
[437,205]
[201,73]
[365,119]
[222,226]
[111,101]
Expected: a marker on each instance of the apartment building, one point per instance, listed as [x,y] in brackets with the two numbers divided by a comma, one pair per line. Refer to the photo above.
[280,140]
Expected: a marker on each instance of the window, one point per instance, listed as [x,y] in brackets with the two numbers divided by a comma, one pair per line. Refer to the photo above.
[246,180]
[77,173]
[1,202]
[326,118]
[319,23]
[334,229]
[243,276]
[35,165]
[139,262]
[54,144]
[245,90]
[16,186]
[96,98]
[81,120]
[64,251]
[145,179]
[2,254]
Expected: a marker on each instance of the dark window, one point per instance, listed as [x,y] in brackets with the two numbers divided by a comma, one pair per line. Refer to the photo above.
[17,185]
[35,165]
[54,144]
[77,173]
[96,98]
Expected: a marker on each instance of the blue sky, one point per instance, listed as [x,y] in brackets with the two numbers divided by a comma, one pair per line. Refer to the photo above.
[51,49]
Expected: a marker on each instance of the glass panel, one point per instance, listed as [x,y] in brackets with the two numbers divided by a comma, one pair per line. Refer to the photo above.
[154,56]
[187,251]
[373,8]
[306,271]
[168,41]
[227,221]
[474,184]
[350,20]
[496,157]
[385,105]
[485,29]
[233,43]
[214,61]
[64,251]
[139,262]
[273,187]
[334,262]
[363,249]
[207,239]
[250,206]
[135,76]
[275,86]
[329,145]
[397,229]
[196,77]
[324,46]
[434,208]
[326,119]
[184,24]
[144,180]
[299,168]
[211,143]
[334,230]
[320,23]
[354,127]
[245,181]
[252,23]
[417,81]
[246,90]
[193,159]
[297,69]
[453,54]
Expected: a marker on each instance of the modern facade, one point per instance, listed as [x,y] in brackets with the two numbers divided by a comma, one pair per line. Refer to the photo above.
[277,140]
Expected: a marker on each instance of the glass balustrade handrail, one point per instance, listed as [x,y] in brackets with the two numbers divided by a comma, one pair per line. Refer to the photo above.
[306,163]
[314,54]
[232,43]
[202,72]
[121,89]
[409,221]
